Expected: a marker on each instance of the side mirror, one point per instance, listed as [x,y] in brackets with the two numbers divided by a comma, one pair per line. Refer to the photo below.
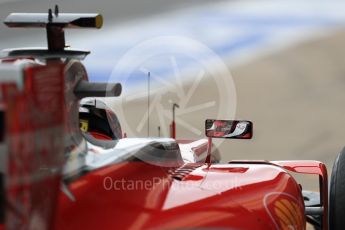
[229,129]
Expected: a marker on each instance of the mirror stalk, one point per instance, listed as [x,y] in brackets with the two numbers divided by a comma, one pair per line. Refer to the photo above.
[209,151]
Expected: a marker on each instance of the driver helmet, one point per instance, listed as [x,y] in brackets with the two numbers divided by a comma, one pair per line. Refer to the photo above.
[99,120]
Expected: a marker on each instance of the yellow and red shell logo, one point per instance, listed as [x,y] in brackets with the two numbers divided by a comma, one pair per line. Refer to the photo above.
[285,211]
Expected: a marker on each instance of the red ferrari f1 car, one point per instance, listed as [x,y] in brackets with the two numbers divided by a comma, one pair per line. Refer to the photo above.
[66,165]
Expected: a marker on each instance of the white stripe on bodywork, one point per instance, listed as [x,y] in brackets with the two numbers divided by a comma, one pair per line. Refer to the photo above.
[10,73]
[188,151]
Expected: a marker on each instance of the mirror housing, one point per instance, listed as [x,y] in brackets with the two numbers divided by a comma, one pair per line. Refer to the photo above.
[232,129]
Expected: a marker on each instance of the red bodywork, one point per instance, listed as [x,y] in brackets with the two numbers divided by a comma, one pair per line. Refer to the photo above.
[246,195]
[34,122]
[141,195]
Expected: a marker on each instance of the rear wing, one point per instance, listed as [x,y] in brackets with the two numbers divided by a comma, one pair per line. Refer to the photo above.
[55,23]
[63,20]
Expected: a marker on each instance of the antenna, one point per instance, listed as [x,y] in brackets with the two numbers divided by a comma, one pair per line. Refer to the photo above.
[173,124]
[148,103]
[56,11]
[50,16]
